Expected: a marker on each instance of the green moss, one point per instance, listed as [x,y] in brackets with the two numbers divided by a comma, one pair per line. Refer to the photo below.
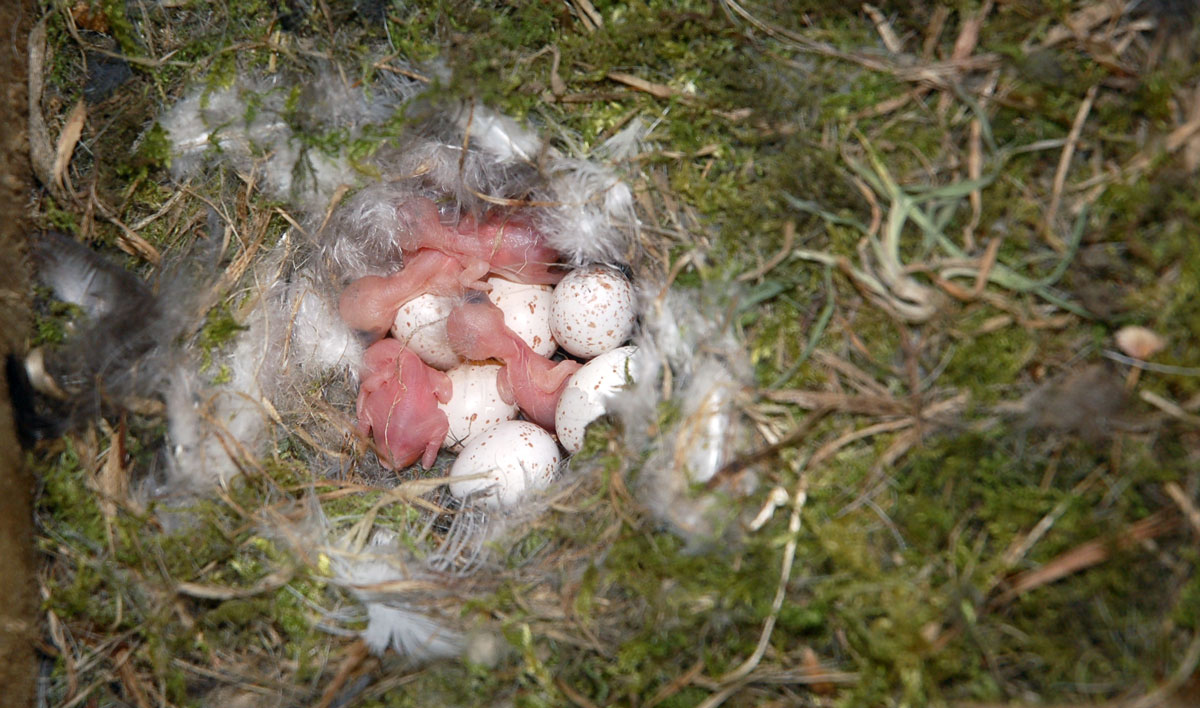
[220,326]
[122,28]
[987,364]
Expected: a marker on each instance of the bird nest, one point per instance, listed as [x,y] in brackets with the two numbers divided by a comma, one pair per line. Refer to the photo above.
[289,373]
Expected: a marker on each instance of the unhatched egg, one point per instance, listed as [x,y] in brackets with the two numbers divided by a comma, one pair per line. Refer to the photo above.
[587,393]
[526,311]
[592,311]
[475,404]
[512,459]
[421,325]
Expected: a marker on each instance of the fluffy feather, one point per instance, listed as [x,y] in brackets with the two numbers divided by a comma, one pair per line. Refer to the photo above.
[392,623]
[118,350]
[499,136]
[250,125]
[708,370]
[592,218]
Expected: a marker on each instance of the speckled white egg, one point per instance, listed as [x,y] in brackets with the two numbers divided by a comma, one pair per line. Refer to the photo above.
[587,393]
[475,404]
[592,311]
[513,459]
[526,311]
[421,325]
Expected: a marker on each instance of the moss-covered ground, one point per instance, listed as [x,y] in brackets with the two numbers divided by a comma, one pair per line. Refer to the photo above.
[932,218]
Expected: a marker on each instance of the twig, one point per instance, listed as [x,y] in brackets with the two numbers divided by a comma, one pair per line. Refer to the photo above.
[128,240]
[382,65]
[271,582]
[572,695]
[1175,140]
[842,402]
[884,28]
[676,684]
[129,678]
[591,19]
[940,74]
[722,695]
[828,450]
[1021,545]
[762,454]
[162,61]
[166,206]
[1169,407]
[1151,366]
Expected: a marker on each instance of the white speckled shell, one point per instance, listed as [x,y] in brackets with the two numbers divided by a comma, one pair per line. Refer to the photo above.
[592,311]
[515,457]
[526,311]
[475,404]
[421,325]
[585,397]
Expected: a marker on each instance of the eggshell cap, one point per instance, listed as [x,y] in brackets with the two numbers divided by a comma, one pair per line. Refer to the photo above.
[587,393]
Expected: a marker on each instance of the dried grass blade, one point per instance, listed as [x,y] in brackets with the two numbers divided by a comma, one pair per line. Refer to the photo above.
[1186,505]
[1064,164]
[656,90]
[67,140]
[1088,554]
[884,28]
[271,582]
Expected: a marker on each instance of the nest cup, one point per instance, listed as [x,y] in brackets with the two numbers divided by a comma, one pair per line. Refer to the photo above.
[295,369]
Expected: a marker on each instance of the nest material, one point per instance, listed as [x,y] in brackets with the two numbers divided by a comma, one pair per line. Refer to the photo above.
[681,416]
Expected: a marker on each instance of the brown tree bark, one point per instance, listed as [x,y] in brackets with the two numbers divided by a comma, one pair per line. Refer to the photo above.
[18,607]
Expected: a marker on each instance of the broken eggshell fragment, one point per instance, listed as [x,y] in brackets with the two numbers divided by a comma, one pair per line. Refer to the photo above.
[587,393]
[505,463]
[592,311]
[475,403]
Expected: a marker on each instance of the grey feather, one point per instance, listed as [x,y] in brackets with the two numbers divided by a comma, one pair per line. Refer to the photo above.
[120,331]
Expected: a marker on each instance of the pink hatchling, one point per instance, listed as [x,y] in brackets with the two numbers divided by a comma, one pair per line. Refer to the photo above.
[504,245]
[369,304]
[446,260]
[477,332]
[398,405]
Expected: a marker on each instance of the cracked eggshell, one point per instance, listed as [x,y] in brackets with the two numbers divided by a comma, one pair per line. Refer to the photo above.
[475,404]
[421,325]
[587,393]
[592,311]
[526,311]
[514,458]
